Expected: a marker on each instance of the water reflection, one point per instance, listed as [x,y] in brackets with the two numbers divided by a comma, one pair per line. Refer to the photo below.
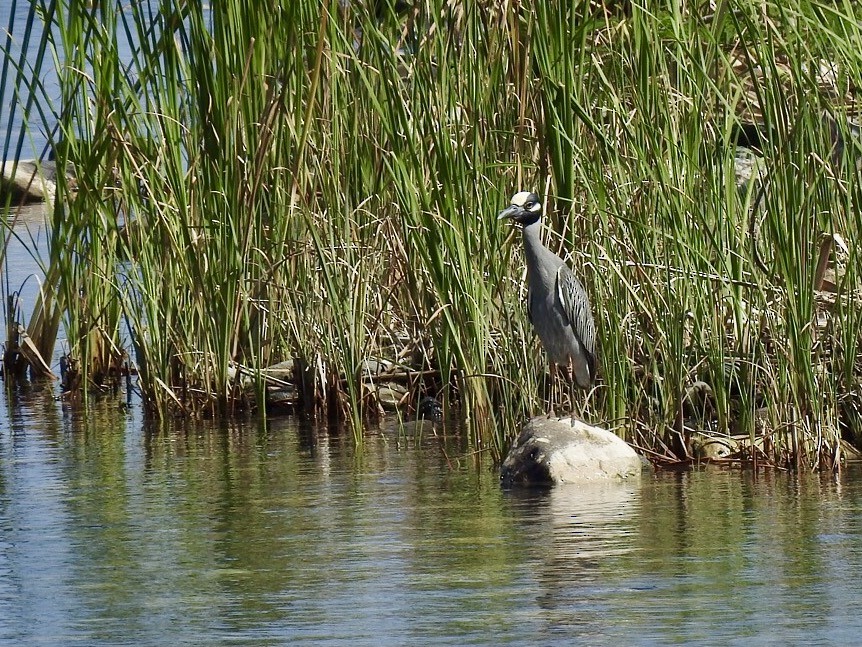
[113,532]
[737,555]
[575,533]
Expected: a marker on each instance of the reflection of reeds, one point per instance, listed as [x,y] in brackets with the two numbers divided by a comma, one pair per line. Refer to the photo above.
[321,185]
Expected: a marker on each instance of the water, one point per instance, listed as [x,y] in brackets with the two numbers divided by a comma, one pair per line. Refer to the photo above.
[24,132]
[114,534]
[27,134]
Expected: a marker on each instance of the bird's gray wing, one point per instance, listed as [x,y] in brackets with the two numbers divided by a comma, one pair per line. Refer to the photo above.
[576,307]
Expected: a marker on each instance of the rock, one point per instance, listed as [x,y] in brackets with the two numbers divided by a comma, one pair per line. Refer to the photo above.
[389,395]
[281,371]
[706,446]
[372,367]
[417,427]
[278,396]
[750,170]
[281,392]
[551,451]
[29,180]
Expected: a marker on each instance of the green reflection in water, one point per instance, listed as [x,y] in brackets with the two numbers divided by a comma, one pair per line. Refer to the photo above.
[259,535]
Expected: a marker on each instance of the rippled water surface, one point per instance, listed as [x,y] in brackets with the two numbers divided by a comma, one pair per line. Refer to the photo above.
[116,533]
[112,534]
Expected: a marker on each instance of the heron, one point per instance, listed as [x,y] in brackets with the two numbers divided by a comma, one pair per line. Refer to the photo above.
[557,304]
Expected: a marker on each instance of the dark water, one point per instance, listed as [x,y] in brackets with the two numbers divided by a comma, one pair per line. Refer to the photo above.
[113,534]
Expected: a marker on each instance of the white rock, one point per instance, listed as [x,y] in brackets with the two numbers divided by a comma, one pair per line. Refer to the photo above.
[551,450]
[31,180]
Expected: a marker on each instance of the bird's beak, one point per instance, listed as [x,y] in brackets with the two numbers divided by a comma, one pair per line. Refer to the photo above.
[509,212]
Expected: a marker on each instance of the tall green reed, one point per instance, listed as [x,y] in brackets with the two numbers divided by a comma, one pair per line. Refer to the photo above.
[320,182]
[682,304]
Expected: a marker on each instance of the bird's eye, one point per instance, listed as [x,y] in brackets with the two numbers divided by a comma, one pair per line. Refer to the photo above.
[529,205]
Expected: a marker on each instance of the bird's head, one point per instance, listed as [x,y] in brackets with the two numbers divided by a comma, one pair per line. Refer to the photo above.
[526,208]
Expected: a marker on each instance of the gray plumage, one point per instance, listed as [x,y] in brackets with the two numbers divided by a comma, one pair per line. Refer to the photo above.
[557,303]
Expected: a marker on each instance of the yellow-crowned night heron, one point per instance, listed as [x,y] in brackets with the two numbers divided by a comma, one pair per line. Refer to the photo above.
[557,304]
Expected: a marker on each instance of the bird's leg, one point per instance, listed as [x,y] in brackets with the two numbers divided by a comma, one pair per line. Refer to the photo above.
[553,377]
[570,377]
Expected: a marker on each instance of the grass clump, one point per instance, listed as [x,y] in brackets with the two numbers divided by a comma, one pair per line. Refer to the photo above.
[320,183]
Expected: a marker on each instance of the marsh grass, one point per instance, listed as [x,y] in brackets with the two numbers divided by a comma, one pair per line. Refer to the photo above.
[320,182]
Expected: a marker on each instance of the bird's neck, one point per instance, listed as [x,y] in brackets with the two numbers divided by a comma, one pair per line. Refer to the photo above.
[533,246]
